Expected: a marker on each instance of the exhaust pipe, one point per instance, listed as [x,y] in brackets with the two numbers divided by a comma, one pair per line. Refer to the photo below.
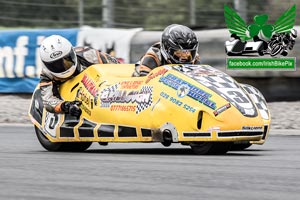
[167,138]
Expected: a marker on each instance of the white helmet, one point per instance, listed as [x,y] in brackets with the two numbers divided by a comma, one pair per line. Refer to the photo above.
[58,56]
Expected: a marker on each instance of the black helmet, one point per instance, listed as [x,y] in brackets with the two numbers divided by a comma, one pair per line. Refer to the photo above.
[179,44]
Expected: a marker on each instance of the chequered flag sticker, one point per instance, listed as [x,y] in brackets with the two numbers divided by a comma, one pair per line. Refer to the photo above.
[145,104]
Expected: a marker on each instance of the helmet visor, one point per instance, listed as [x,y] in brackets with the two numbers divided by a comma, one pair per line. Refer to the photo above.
[62,64]
[183,55]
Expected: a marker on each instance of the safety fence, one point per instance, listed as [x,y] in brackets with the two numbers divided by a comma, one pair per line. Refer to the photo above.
[20,64]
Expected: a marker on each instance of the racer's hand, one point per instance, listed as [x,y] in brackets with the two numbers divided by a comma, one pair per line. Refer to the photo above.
[72,107]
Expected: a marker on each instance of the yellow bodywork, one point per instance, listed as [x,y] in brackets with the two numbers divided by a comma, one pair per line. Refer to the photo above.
[120,108]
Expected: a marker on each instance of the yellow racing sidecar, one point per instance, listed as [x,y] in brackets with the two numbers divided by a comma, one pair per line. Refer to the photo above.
[194,105]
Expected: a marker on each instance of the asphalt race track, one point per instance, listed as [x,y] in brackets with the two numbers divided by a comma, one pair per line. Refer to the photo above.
[147,171]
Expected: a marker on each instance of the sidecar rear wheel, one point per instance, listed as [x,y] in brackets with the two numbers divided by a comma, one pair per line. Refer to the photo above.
[210,148]
[61,146]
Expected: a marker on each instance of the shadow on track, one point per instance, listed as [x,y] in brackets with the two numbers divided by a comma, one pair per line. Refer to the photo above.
[169,151]
[156,151]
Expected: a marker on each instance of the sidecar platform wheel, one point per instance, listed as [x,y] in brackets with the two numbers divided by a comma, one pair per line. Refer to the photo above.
[211,148]
[61,146]
[240,146]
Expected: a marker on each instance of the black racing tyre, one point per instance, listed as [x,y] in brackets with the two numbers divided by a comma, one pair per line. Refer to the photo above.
[103,143]
[61,146]
[240,146]
[211,148]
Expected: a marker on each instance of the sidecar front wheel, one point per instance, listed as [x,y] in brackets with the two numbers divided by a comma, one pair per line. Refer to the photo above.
[61,146]
[210,148]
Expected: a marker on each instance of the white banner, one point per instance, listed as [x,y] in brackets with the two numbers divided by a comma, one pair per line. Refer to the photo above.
[108,39]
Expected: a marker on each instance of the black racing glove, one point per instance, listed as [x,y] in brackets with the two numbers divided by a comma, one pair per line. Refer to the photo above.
[72,107]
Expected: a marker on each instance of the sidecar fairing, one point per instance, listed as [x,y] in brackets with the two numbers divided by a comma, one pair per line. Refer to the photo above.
[194,105]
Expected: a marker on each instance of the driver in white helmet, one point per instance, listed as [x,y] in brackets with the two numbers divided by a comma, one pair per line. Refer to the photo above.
[61,62]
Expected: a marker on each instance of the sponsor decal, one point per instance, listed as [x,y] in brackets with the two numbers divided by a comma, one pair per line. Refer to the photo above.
[252,128]
[156,74]
[130,84]
[183,90]
[56,54]
[193,92]
[177,102]
[86,98]
[222,109]
[85,109]
[51,123]
[225,86]
[199,71]
[259,100]
[91,87]
[88,94]
[121,107]
[141,98]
